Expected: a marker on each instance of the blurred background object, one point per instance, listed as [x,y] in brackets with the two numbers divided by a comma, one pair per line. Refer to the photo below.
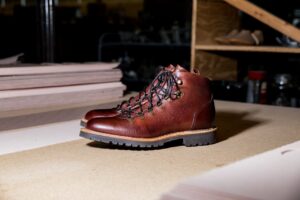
[145,34]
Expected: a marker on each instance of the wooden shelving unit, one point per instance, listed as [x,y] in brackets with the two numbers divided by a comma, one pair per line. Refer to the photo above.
[214,18]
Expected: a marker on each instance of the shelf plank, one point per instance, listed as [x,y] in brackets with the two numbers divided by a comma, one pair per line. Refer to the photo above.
[266,49]
[267,18]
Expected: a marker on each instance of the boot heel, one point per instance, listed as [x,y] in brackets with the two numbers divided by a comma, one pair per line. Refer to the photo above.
[199,140]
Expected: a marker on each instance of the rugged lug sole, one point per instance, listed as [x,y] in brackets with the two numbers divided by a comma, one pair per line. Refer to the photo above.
[189,138]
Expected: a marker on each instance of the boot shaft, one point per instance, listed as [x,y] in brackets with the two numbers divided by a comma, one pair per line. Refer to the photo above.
[197,94]
[182,98]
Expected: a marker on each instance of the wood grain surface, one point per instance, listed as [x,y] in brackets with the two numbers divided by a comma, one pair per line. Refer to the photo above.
[58,96]
[27,69]
[213,18]
[59,79]
[215,66]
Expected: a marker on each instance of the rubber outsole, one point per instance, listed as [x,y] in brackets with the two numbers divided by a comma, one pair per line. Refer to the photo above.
[204,137]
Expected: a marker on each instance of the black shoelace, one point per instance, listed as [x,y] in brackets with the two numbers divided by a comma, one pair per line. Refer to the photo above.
[164,86]
[131,102]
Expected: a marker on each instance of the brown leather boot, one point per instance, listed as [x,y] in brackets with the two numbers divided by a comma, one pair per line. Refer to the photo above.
[112,112]
[178,106]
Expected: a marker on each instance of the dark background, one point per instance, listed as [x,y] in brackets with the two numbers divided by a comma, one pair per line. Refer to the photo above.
[131,32]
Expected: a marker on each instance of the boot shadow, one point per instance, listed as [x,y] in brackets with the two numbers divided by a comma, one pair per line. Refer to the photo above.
[233,123]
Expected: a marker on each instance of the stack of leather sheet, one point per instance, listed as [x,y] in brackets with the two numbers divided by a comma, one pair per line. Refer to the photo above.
[51,85]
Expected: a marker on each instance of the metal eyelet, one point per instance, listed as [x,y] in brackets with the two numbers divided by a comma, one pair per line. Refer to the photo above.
[179,82]
[178,94]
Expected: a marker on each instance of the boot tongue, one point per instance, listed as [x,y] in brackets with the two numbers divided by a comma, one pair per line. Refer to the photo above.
[181,69]
[171,68]
[162,86]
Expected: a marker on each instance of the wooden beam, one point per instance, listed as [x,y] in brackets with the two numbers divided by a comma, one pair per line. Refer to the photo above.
[262,49]
[267,18]
[193,32]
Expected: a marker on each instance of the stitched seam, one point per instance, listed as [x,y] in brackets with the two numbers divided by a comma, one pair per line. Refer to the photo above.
[195,115]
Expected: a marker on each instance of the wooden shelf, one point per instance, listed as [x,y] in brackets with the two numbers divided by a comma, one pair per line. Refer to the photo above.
[214,18]
[268,18]
[234,48]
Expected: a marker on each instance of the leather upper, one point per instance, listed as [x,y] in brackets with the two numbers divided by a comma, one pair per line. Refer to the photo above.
[192,108]
[103,113]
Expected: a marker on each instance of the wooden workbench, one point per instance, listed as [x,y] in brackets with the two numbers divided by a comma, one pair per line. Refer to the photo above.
[85,170]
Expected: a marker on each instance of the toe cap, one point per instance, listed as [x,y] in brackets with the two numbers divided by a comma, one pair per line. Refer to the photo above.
[101,113]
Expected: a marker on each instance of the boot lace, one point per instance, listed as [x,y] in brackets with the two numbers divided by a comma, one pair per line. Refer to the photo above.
[164,86]
[131,102]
